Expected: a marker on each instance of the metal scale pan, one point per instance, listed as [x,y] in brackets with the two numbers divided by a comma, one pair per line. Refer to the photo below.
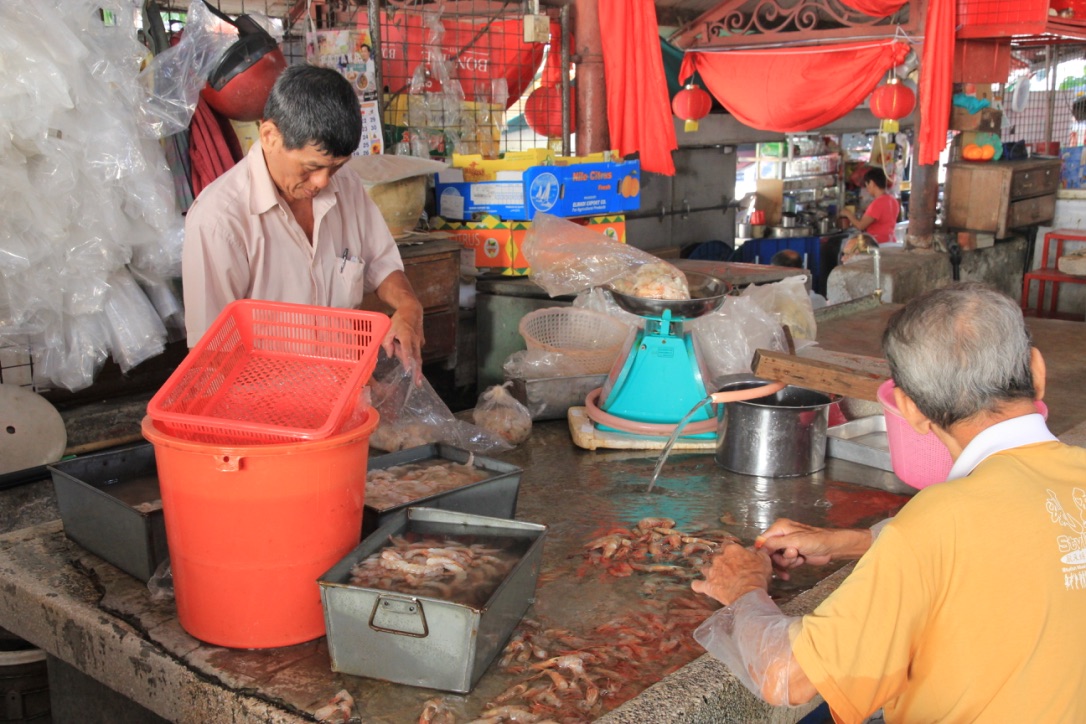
[707,294]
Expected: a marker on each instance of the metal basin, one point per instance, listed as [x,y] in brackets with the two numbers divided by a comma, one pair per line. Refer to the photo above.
[707,294]
[776,436]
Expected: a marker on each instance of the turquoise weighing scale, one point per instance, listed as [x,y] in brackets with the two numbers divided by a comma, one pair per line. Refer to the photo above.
[660,377]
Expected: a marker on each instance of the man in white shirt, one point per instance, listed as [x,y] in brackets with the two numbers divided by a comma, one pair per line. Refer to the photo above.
[289,223]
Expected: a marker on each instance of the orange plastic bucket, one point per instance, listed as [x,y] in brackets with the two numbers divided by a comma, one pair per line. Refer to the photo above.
[252,527]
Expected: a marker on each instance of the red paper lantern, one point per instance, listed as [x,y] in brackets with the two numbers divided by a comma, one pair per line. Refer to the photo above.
[543,111]
[691,104]
[891,102]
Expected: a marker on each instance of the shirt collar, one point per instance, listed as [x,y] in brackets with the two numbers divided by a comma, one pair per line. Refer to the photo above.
[263,195]
[1006,435]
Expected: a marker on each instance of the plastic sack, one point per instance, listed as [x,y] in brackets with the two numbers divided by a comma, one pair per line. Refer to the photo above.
[567,258]
[502,414]
[789,303]
[727,339]
[174,78]
[136,331]
[534,364]
[413,416]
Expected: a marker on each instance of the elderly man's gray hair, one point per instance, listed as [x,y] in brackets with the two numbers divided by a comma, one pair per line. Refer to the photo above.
[959,350]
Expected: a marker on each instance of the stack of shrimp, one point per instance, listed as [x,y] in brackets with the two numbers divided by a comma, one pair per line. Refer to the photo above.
[569,678]
[654,545]
[394,486]
[440,567]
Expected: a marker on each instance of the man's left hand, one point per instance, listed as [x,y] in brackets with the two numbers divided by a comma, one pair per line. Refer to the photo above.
[733,572]
[405,339]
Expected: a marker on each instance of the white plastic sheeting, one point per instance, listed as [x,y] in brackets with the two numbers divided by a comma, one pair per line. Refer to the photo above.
[89,226]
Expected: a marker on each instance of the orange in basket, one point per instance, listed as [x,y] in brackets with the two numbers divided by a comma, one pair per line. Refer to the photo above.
[268,372]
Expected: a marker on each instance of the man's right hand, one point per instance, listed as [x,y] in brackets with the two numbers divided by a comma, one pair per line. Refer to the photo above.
[791,544]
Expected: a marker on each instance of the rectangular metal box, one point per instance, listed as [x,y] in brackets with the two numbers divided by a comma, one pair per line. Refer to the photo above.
[495,496]
[419,640]
[862,440]
[550,398]
[110,504]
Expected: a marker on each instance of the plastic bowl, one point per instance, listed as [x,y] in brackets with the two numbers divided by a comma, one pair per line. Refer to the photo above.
[919,460]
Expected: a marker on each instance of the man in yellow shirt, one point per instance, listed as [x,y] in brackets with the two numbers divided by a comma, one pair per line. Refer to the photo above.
[970,604]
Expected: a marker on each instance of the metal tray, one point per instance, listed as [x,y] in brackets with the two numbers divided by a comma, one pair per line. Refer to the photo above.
[420,640]
[110,504]
[494,496]
[862,440]
[550,398]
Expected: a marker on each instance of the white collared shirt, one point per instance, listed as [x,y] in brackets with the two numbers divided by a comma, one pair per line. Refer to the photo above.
[1012,433]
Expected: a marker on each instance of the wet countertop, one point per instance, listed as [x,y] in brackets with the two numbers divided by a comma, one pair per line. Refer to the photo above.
[83,610]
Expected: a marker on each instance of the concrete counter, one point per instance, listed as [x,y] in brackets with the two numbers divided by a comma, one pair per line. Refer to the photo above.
[102,622]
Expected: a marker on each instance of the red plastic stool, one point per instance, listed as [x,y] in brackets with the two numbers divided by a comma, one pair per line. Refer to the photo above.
[1048,273]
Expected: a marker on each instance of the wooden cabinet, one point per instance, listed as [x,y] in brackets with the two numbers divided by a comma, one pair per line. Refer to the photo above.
[1002,195]
[433,268]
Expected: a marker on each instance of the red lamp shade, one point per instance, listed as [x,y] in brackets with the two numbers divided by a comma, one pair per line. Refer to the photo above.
[892,101]
[543,111]
[691,104]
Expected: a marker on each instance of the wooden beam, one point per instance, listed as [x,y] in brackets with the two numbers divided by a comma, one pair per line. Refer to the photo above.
[817,375]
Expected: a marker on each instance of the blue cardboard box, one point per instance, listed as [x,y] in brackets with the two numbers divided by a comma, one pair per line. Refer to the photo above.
[1073,170]
[579,189]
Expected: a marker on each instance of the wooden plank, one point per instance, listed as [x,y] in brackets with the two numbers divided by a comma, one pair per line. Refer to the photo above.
[817,375]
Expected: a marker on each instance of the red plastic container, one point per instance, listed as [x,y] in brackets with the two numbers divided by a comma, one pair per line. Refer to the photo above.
[268,372]
[251,528]
[1001,18]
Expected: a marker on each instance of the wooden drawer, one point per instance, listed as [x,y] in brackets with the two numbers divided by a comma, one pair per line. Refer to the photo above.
[1026,212]
[436,282]
[1035,182]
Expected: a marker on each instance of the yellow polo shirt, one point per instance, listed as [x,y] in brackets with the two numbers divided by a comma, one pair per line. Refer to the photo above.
[970,605]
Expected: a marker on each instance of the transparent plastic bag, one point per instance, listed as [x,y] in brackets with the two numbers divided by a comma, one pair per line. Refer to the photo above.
[160,584]
[534,364]
[567,258]
[502,414]
[174,78]
[789,303]
[136,331]
[413,416]
[727,339]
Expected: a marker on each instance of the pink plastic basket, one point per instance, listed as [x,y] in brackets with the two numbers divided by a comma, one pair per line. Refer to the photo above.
[268,372]
[919,460]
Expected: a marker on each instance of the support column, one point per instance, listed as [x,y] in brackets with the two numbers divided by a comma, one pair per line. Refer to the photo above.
[923,195]
[591,93]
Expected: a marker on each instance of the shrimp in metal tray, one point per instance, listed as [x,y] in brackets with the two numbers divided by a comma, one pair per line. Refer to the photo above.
[654,280]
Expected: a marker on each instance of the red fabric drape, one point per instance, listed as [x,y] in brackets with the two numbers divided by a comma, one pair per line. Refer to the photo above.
[794,89]
[638,108]
[213,146]
[936,71]
[875,8]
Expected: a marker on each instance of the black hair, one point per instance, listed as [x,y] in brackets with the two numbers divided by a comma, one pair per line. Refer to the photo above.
[877,175]
[787,257]
[315,105]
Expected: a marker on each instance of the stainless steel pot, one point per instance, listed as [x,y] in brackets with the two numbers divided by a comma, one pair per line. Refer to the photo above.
[781,232]
[776,436]
[789,221]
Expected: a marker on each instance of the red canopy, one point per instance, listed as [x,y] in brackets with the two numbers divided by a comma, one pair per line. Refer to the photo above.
[794,89]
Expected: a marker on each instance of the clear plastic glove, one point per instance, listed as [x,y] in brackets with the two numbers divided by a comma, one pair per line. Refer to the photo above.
[751,638]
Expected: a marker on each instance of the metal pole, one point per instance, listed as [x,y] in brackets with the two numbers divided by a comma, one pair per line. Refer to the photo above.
[566,122]
[1050,75]
[591,92]
[374,11]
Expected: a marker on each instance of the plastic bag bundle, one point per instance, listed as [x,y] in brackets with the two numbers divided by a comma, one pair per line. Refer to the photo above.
[502,414]
[534,364]
[789,303]
[567,258]
[413,416]
[84,192]
[727,339]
